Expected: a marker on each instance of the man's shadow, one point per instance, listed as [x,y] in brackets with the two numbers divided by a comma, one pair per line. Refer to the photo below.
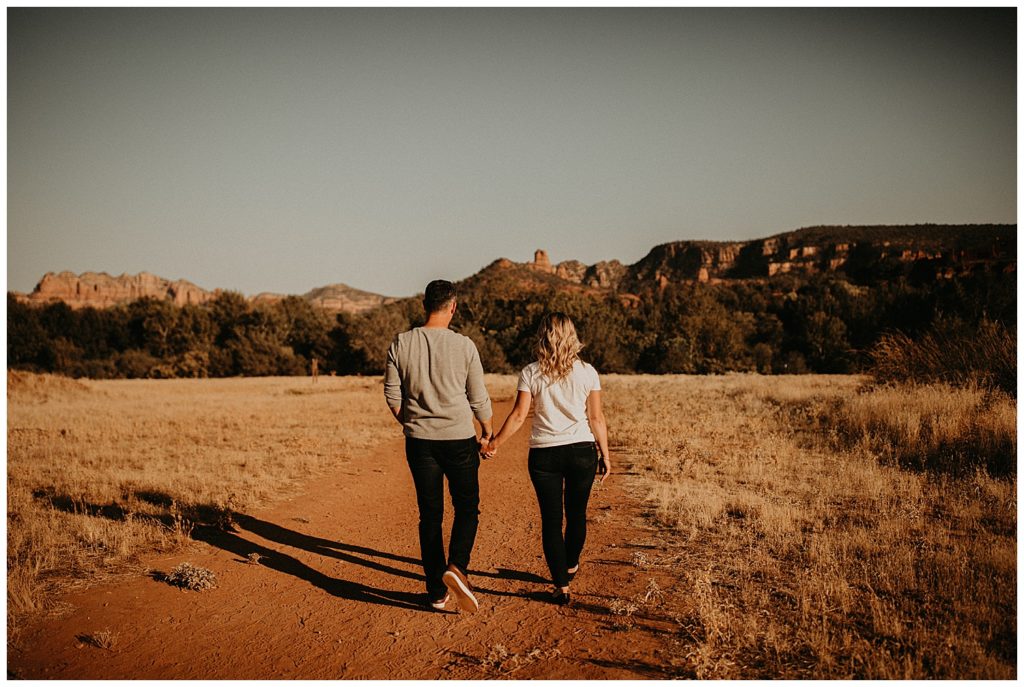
[353,553]
[349,553]
[283,563]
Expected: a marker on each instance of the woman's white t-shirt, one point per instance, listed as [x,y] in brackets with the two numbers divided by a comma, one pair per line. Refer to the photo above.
[560,408]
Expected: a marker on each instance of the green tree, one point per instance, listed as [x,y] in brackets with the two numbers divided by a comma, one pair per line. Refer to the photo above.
[306,328]
[27,338]
[362,341]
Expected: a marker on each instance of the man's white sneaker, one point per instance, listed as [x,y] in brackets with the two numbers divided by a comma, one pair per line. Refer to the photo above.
[460,587]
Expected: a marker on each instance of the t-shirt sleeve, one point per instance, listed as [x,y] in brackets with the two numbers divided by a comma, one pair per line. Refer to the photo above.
[596,381]
[524,380]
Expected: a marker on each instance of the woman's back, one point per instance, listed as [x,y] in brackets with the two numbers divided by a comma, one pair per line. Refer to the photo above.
[560,408]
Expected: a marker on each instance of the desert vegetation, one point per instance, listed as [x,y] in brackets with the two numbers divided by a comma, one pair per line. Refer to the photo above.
[829,529]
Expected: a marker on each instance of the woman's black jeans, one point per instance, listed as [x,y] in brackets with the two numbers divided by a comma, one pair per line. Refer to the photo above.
[567,472]
[430,461]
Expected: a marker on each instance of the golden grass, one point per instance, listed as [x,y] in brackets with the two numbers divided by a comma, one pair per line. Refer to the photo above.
[935,427]
[101,472]
[804,560]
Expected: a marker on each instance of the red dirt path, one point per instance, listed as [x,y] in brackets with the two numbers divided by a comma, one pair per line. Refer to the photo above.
[339,591]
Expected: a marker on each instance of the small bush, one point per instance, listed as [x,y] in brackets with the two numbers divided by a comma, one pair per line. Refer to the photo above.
[188,576]
[103,639]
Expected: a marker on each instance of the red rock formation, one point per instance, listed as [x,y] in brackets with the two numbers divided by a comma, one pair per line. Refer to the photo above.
[606,274]
[344,298]
[541,262]
[100,290]
[571,270]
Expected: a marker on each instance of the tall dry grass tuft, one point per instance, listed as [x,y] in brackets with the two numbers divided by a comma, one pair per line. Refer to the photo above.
[937,427]
[799,559]
[983,356]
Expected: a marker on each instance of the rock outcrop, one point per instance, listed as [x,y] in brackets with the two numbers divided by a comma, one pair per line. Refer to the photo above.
[541,262]
[100,290]
[683,261]
[571,270]
[344,298]
[606,274]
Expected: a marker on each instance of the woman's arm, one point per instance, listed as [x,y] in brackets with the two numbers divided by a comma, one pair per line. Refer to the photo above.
[595,415]
[513,422]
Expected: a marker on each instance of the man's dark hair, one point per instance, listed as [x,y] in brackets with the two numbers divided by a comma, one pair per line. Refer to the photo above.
[439,293]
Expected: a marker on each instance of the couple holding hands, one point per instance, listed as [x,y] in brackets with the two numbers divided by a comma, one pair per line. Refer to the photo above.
[434,387]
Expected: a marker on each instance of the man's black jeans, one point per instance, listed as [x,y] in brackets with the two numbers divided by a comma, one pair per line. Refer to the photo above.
[430,462]
[559,472]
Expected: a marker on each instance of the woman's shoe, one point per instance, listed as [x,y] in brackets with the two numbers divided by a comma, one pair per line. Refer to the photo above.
[572,571]
[560,598]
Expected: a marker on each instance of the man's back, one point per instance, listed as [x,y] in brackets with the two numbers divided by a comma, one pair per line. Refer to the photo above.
[435,376]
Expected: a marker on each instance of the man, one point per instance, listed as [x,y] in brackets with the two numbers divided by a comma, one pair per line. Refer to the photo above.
[434,385]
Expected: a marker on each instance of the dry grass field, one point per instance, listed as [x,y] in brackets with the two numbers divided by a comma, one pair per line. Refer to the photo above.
[814,529]
[808,551]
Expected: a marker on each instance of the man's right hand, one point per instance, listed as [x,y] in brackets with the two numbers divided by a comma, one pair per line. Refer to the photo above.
[397,412]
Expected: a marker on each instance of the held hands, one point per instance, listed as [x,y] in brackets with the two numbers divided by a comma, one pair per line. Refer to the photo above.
[487,446]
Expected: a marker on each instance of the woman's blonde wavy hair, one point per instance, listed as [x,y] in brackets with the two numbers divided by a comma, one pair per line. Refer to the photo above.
[557,346]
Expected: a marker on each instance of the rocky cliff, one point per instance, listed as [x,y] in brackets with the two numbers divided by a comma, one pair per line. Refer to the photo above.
[861,253]
[100,290]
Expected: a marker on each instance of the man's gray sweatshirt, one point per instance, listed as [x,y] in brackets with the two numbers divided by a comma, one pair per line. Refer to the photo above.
[434,375]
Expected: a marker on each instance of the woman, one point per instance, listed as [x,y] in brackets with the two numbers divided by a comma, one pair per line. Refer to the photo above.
[564,459]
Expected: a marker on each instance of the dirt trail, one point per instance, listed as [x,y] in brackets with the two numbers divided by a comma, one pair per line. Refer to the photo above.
[338,594]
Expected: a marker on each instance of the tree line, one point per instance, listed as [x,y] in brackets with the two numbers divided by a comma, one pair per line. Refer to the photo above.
[785,325]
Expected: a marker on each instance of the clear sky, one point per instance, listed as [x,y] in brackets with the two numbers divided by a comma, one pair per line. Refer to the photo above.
[284,149]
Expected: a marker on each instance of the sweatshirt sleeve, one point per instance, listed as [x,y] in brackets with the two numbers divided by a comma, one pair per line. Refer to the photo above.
[392,380]
[476,391]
